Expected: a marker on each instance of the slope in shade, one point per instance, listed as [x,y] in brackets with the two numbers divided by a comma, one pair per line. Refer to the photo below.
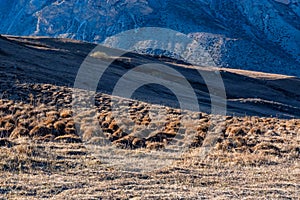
[56,61]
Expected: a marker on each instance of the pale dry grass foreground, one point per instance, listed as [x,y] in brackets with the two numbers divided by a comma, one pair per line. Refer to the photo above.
[68,171]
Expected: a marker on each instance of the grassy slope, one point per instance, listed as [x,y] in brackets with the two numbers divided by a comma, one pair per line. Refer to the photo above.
[251,157]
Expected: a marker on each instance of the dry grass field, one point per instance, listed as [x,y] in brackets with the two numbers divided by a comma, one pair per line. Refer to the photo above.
[140,150]
[43,155]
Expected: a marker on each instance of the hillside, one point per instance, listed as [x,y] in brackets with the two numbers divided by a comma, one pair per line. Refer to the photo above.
[56,61]
[53,144]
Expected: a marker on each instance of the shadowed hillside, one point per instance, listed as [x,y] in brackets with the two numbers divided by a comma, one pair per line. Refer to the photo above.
[56,61]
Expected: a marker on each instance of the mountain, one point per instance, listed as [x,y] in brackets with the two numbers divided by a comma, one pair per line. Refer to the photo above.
[249,34]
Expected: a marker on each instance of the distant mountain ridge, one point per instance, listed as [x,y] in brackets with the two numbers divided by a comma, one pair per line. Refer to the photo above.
[250,34]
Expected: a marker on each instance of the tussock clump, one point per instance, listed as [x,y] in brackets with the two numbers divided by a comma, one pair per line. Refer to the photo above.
[198,139]
[125,142]
[203,120]
[69,138]
[160,136]
[46,138]
[146,120]
[235,131]
[255,131]
[203,128]
[59,127]
[40,130]
[113,126]
[66,114]
[19,132]
[32,123]
[271,132]
[266,149]
[138,143]
[265,146]
[70,124]
[240,141]
[105,125]
[53,113]
[71,131]
[118,134]
[9,127]
[8,119]
[50,120]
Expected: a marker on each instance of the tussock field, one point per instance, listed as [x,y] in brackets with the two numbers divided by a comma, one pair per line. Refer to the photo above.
[133,149]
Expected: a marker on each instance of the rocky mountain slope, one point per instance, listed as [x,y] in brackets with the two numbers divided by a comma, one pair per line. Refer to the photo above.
[257,35]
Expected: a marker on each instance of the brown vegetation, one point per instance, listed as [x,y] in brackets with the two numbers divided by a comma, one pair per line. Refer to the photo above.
[254,135]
